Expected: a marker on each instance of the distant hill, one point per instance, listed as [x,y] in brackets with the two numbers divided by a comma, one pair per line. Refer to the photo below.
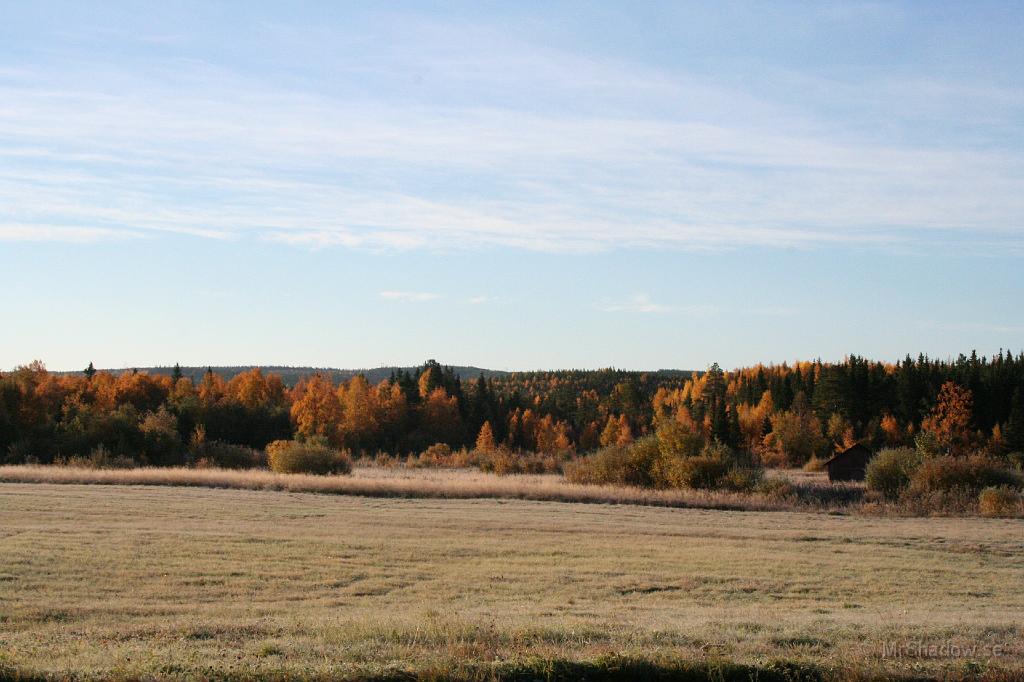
[291,375]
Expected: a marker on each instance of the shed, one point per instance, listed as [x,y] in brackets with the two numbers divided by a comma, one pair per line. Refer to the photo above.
[850,464]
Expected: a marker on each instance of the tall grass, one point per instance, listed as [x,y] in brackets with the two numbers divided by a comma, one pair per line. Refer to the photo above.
[386,483]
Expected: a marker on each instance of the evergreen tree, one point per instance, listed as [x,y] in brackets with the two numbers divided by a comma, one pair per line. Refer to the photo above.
[735,432]
[90,371]
[1014,432]
[720,422]
[176,374]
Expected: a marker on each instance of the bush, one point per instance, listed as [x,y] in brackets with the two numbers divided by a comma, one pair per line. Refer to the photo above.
[505,462]
[638,464]
[778,489]
[815,463]
[217,453]
[889,472]
[674,439]
[928,445]
[998,501]
[1016,460]
[607,466]
[296,457]
[161,444]
[742,479]
[648,463]
[99,458]
[971,474]
[699,472]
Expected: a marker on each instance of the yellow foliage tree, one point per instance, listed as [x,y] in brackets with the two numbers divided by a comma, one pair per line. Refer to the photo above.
[359,423]
[485,439]
[316,410]
[950,419]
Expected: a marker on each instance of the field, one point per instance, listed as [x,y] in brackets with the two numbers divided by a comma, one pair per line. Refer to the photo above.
[376,481]
[126,582]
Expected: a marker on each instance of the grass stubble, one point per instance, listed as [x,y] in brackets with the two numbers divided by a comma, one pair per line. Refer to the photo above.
[130,582]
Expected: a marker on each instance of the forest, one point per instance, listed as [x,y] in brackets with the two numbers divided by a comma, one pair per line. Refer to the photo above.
[780,415]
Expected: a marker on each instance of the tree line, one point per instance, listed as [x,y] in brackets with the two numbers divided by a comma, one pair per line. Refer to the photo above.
[783,414]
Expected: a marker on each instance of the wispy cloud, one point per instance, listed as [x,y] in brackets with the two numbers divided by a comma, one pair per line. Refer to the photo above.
[478,300]
[62,233]
[639,303]
[968,327]
[410,296]
[775,311]
[625,156]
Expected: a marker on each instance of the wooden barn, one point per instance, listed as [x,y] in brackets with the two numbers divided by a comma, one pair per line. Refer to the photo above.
[849,464]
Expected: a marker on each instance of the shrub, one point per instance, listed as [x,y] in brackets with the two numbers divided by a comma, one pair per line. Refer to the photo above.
[699,472]
[889,472]
[217,453]
[742,479]
[642,457]
[815,463]
[99,458]
[928,445]
[437,455]
[796,437]
[675,439]
[647,463]
[777,489]
[504,462]
[607,466]
[998,501]
[161,443]
[1016,460]
[617,465]
[971,474]
[297,457]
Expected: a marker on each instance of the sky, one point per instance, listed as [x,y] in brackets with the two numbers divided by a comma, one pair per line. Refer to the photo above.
[526,185]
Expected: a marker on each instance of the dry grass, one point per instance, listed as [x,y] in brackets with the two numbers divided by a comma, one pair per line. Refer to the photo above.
[434,483]
[136,582]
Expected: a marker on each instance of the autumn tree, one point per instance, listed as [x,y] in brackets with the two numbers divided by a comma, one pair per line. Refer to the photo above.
[590,438]
[950,419]
[315,410]
[440,420]
[485,439]
[393,414]
[359,425]
[617,432]
[212,388]
[552,436]
[430,379]
[254,389]
[796,434]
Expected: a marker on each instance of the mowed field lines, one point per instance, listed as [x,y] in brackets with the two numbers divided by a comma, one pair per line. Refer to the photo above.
[123,581]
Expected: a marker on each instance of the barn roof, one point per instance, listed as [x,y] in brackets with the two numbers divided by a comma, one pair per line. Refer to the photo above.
[853,448]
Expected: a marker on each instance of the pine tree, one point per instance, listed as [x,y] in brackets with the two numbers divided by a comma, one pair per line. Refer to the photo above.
[176,374]
[735,432]
[720,422]
[90,371]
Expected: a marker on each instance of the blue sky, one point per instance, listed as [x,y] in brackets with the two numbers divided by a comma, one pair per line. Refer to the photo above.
[511,185]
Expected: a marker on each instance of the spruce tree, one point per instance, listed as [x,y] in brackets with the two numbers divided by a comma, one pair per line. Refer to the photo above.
[735,432]
[1014,432]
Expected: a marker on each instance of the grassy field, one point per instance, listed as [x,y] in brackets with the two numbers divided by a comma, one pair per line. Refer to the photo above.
[120,581]
[815,493]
